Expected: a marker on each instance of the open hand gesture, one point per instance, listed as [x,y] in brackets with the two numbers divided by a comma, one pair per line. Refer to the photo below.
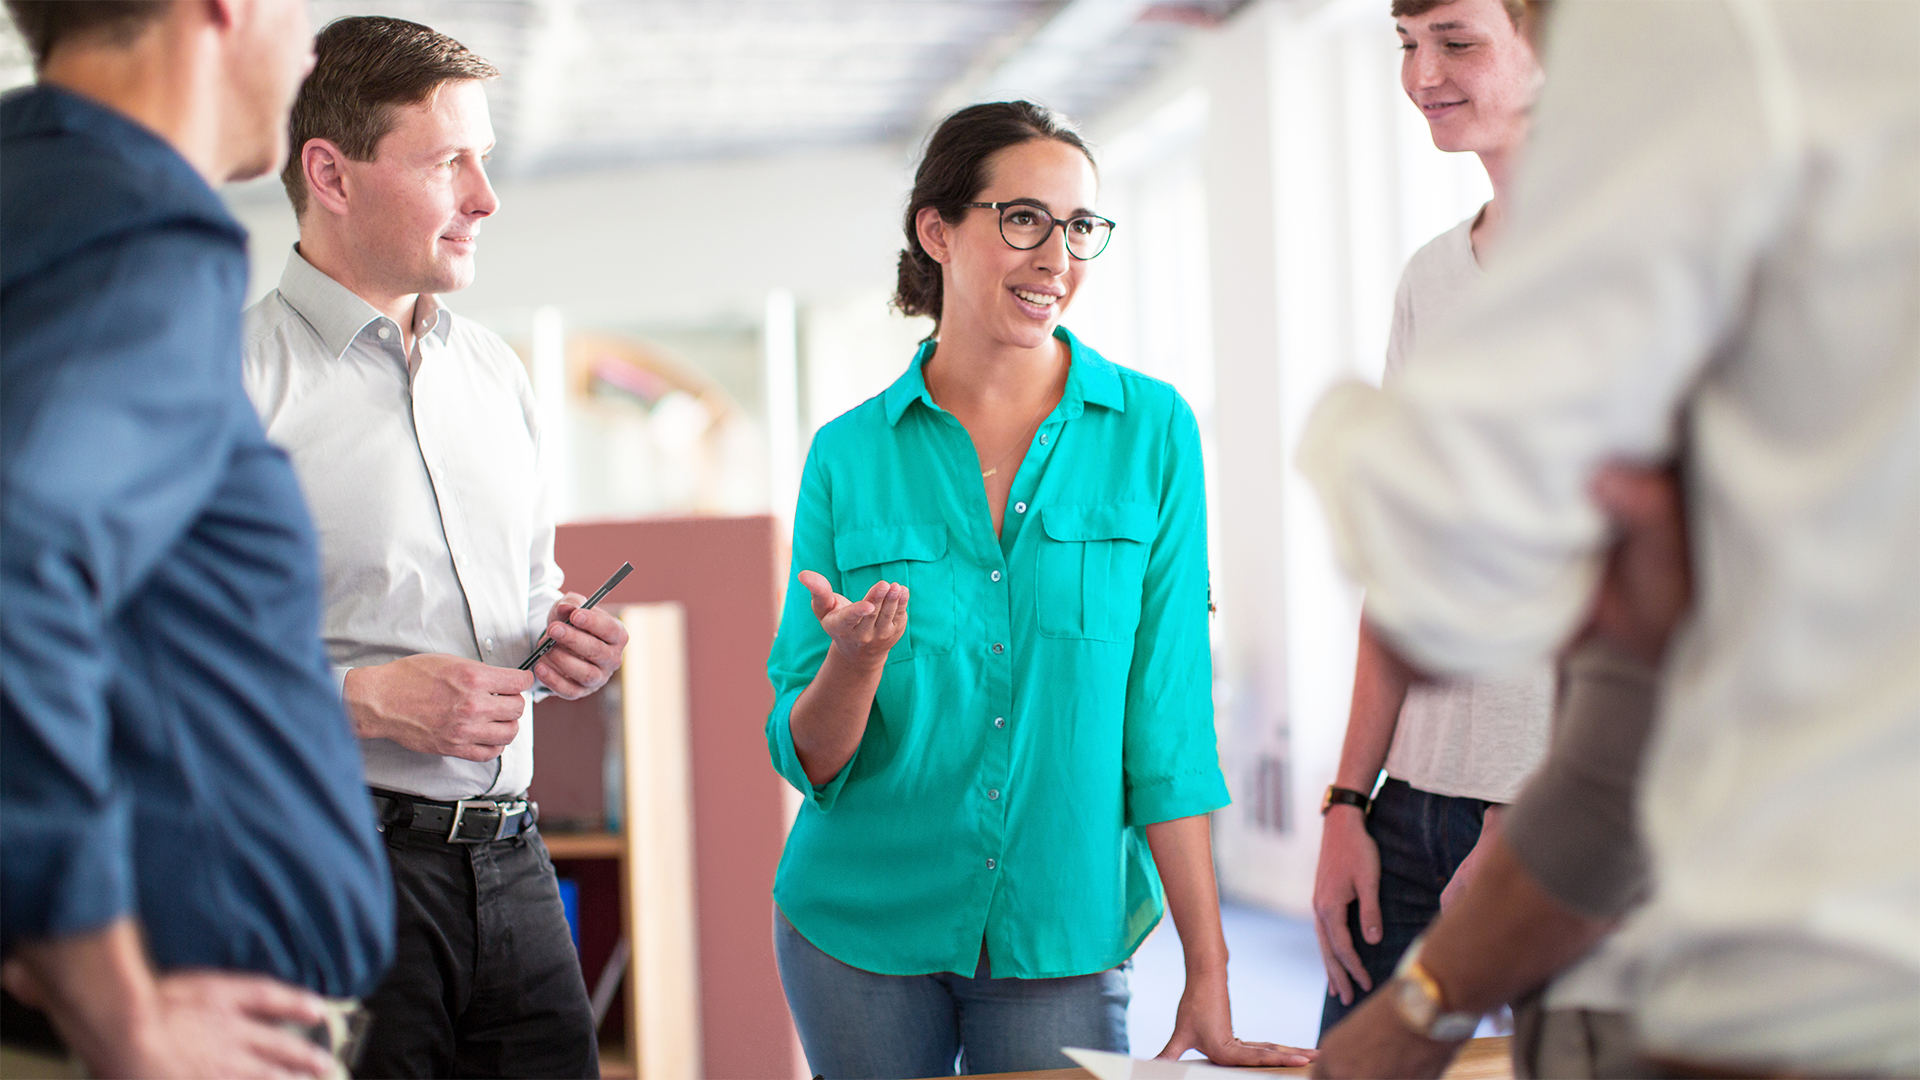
[863,630]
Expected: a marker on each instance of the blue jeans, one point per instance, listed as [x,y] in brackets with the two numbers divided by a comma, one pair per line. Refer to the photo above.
[1422,838]
[856,1024]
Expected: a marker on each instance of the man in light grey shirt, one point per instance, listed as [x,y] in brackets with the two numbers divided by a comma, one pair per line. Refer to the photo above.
[413,432]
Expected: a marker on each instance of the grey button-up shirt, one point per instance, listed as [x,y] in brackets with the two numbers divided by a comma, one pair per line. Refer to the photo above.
[424,477]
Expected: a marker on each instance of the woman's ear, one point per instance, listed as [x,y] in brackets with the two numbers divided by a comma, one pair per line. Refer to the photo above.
[932,230]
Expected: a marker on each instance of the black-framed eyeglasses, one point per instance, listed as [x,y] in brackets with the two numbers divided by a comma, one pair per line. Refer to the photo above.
[1025,226]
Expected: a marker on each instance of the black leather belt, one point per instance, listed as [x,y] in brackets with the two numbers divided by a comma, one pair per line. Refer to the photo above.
[469,821]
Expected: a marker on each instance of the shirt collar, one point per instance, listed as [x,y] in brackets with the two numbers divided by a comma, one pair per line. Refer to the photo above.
[339,316]
[1091,380]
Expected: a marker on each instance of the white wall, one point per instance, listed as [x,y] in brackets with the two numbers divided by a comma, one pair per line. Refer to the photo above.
[672,244]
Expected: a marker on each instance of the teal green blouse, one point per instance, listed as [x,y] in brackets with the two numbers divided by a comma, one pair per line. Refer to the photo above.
[1052,694]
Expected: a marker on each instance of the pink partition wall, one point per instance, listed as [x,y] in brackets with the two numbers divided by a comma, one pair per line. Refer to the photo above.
[722,570]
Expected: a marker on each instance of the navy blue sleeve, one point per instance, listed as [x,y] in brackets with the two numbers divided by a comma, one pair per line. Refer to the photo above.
[114,432]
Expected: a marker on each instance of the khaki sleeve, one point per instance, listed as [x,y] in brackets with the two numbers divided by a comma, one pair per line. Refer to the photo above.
[1573,825]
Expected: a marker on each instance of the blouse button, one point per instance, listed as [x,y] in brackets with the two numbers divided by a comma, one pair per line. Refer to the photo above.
[998,648]
[489,644]
[993,793]
[385,333]
[991,864]
[1019,508]
[1043,438]
[996,575]
[999,721]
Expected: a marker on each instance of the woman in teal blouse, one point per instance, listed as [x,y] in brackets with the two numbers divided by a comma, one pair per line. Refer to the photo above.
[1005,737]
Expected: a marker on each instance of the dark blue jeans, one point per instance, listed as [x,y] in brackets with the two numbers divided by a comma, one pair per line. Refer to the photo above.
[1422,838]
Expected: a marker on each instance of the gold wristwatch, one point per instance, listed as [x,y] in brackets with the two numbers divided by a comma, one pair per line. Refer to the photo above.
[1418,1000]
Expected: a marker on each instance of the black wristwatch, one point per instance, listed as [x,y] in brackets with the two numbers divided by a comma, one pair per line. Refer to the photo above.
[1338,795]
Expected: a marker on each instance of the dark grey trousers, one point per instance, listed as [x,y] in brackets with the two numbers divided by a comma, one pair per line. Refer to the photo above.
[485,980]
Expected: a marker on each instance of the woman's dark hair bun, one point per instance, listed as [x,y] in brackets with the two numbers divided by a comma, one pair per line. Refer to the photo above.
[953,171]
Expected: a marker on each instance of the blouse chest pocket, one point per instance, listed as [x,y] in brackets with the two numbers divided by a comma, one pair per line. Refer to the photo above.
[914,556]
[1092,565]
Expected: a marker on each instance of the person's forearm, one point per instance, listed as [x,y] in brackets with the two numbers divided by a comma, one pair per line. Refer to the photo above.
[1493,822]
[830,716]
[1183,851]
[356,695]
[1554,869]
[1380,681]
[1463,875]
[98,990]
[1492,829]
[1504,936]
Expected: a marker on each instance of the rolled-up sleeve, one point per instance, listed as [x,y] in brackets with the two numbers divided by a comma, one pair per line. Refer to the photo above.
[116,433]
[801,646]
[1171,763]
[1458,495]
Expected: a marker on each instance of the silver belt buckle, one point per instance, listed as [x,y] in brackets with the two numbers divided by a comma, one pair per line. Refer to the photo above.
[459,815]
[340,1033]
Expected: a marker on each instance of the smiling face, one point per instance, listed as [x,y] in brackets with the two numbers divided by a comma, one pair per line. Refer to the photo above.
[990,289]
[413,212]
[1471,73]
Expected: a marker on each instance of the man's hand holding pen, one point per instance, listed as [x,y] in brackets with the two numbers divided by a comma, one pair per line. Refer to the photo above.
[587,647]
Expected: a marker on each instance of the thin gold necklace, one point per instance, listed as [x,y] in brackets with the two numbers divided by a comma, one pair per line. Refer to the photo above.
[1027,441]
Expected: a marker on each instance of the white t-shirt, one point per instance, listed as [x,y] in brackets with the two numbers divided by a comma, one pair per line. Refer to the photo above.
[1476,738]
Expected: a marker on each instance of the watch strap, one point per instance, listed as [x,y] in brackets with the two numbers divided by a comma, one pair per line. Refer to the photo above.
[1337,796]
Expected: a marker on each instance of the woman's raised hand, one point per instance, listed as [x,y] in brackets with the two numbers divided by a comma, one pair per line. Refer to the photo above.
[864,630]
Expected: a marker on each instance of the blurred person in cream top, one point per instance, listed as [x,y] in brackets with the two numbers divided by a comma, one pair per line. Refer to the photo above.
[1718,229]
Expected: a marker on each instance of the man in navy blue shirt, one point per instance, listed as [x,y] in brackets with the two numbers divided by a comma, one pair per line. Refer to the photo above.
[191,865]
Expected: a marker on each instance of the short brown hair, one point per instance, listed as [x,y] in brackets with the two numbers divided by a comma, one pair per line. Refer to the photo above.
[1405,9]
[366,67]
[952,173]
[47,23]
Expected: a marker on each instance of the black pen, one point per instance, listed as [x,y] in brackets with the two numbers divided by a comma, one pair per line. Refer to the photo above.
[547,643]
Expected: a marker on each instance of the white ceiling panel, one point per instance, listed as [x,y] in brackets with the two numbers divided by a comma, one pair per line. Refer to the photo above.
[588,83]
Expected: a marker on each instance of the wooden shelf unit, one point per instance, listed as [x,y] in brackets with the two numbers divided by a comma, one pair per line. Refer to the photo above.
[584,845]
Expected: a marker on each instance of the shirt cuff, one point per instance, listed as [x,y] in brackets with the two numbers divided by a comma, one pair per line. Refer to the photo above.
[1171,797]
[787,760]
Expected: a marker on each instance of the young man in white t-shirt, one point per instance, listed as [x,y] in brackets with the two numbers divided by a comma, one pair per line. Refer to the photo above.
[1455,752]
